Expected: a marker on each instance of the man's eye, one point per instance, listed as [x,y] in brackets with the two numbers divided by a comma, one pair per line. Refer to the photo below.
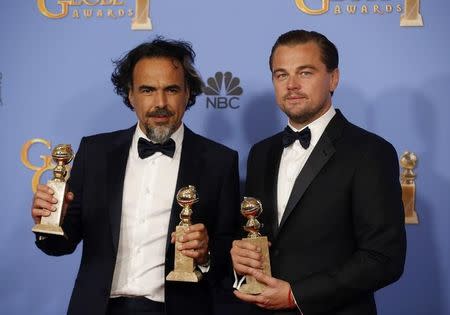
[305,73]
[281,76]
[173,91]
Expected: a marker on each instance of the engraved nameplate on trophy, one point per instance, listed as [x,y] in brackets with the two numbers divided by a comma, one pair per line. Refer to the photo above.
[408,162]
[184,266]
[62,154]
[251,208]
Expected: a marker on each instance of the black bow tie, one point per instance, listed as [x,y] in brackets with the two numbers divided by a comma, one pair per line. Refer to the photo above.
[289,137]
[147,148]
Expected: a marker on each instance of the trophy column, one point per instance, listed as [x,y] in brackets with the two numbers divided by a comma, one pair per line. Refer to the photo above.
[62,154]
[251,208]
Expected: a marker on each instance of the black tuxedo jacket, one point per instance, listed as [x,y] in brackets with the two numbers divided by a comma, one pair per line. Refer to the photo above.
[94,216]
[342,234]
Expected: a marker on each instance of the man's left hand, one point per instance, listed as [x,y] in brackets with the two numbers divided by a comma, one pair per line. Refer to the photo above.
[194,243]
[275,296]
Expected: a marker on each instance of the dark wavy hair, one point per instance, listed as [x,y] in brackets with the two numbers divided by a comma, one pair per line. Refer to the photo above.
[122,77]
[329,52]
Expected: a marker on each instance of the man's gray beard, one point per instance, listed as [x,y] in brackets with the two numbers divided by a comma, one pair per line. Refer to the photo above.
[159,134]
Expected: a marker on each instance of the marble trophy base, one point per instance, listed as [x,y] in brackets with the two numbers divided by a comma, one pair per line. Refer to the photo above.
[252,286]
[52,223]
[184,266]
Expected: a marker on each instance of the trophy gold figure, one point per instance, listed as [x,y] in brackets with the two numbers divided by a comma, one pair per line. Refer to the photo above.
[251,208]
[184,269]
[408,162]
[62,154]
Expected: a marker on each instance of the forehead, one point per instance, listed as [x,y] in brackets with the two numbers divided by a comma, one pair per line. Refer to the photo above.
[297,55]
[158,68]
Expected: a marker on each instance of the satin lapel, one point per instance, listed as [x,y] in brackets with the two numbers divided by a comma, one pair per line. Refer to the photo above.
[188,173]
[322,152]
[270,213]
[116,166]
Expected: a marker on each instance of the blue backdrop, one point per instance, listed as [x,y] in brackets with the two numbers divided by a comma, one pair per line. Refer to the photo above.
[55,85]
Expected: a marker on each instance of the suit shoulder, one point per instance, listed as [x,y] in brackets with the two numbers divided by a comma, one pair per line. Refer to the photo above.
[213,146]
[266,143]
[107,140]
[105,136]
[368,140]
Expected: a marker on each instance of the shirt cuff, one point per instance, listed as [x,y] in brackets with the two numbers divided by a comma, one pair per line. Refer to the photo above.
[237,283]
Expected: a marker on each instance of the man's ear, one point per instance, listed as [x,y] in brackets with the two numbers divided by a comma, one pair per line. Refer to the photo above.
[334,79]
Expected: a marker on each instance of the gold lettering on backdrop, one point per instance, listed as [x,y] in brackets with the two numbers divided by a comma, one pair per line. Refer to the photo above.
[408,162]
[364,9]
[410,11]
[141,20]
[64,9]
[303,7]
[411,15]
[87,13]
[39,170]
[337,9]
[351,9]
[94,8]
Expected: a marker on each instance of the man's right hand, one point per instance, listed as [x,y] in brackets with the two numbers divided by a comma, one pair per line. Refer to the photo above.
[44,203]
[245,256]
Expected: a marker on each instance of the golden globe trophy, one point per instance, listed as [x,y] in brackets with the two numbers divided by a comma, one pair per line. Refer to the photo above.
[251,208]
[408,162]
[184,269]
[62,154]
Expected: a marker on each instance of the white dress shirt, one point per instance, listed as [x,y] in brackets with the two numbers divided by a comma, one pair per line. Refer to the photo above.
[148,193]
[294,157]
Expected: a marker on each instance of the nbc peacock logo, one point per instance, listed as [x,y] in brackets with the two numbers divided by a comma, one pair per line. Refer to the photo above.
[222,91]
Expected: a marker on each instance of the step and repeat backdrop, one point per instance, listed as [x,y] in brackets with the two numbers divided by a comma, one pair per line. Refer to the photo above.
[55,67]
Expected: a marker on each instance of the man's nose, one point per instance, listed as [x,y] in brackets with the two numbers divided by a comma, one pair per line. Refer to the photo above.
[293,82]
[161,99]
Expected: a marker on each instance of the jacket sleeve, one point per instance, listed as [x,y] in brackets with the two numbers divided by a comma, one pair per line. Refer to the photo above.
[378,221]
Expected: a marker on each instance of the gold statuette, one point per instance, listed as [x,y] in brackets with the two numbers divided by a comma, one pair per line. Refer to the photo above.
[408,162]
[184,269]
[62,154]
[251,208]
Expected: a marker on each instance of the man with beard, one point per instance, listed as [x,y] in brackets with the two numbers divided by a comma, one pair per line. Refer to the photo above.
[330,191]
[122,203]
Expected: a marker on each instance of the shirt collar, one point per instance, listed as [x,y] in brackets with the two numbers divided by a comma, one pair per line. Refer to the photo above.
[318,126]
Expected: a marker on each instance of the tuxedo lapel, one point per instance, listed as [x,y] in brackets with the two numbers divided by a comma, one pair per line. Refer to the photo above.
[116,165]
[320,155]
[269,216]
[188,173]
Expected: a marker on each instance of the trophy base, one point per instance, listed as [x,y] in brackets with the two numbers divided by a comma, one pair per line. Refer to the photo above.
[184,276]
[141,26]
[48,229]
[184,266]
[412,219]
[252,286]
[417,21]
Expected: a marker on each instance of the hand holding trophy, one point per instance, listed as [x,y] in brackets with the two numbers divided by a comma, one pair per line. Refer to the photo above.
[62,154]
[184,266]
[251,208]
